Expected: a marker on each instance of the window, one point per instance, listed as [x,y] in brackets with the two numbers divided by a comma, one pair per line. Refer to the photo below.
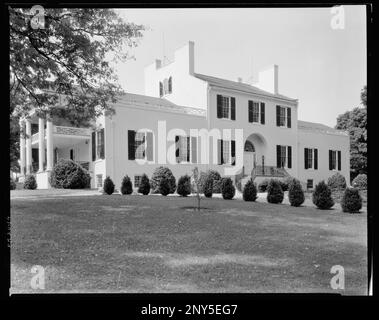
[310,184]
[100,144]
[139,145]
[99,180]
[226,151]
[334,160]
[165,87]
[255,112]
[161,89]
[284,156]
[184,149]
[170,85]
[137,180]
[226,107]
[283,116]
[310,158]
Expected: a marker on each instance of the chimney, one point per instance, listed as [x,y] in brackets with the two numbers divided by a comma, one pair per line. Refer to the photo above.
[158,64]
[185,57]
[268,79]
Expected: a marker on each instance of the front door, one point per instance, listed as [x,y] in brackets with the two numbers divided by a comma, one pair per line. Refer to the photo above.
[249,161]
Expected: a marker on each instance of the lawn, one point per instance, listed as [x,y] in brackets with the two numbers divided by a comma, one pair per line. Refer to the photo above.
[161,244]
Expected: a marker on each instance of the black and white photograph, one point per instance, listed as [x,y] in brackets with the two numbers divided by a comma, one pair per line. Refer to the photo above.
[214,150]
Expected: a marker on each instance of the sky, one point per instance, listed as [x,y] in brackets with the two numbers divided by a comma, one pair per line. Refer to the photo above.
[324,68]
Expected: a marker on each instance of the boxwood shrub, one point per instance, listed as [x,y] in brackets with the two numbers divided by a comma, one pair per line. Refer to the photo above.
[360,182]
[351,200]
[228,190]
[144,186]
[275,192]
[208,187]
[164,186]
[337,182]
[295,193]
[322,196]
[250,191]
[184,186]
[126,185]
[108,185]
[158,175]
[68,174]
[30,182]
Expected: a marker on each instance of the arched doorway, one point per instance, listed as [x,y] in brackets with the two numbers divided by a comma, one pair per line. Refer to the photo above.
[254,152]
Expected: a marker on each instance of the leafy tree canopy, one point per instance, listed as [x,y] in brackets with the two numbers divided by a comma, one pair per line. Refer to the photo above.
[67,58]
[355,122]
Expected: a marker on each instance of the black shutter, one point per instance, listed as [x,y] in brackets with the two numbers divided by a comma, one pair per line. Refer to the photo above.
[233,108]
[278,149]
[330,160]
[278,116]
[262,113]
[219,106]
[233,152]
[288,117]
[93,146]
[220,151]
[250,111]
[339,160]
[170,85]
[177,150]
[289,157]
[149,146]
[160,89]
[305,158]
[188,148]
[131,144]
[102,148]
[315,159]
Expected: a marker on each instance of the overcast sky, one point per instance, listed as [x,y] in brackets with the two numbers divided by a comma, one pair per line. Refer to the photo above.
[322,67]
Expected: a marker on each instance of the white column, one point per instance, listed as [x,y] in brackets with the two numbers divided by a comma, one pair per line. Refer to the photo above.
[41,143]
[49,145]
[28,131]
[22,148]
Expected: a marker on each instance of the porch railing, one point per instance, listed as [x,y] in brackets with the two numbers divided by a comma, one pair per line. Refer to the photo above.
[269,171]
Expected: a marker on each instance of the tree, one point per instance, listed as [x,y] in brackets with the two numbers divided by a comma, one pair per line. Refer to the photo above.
[65,61]
[355,122]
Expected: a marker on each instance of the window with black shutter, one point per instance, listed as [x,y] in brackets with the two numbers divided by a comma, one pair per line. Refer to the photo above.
[278,156]
[278,116]
[219,106]
[220,151]
[177,148]
[131,144]
[100,152]
[262,113]
[330,160]
[188,149]
[170,85]
[161,93]
[339,160]
[305,158]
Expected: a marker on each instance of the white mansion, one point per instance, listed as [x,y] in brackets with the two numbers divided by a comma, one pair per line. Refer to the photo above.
[253,129]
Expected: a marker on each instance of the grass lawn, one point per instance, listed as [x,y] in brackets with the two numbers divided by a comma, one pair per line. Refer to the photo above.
[161,244]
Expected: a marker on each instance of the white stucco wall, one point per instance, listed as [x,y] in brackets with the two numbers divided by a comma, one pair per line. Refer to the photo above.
[323,142]
[186,89]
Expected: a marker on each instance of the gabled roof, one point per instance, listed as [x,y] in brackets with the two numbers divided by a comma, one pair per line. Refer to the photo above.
[318,127]
[154,103]
[244,87]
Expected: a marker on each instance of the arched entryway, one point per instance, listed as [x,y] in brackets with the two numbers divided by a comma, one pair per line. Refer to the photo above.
[254,152]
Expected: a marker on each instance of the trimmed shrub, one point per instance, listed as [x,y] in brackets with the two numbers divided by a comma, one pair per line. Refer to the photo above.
[208,187]
[228,190]
[164,186]
[144,186]
[108,185]
[158,175]
[351,200]
[275,192]
[215,175]
[337,181]
[295,193]
[360,182]
[217,186]
[322,196]
[250,191]
[184,186]
[30,182]
[68,174]
[12,184]
[262,187]
[126,185]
